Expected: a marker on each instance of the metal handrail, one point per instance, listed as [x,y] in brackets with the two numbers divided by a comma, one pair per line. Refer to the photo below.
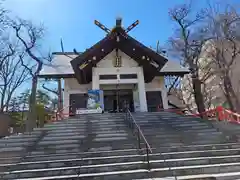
[139,135]
[58,112]
[140,131]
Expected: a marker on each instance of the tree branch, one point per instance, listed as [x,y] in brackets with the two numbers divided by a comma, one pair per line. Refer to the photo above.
[50,90]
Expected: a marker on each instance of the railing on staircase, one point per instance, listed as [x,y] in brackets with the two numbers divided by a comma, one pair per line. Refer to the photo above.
[60,115]
[222,114]
[130,120]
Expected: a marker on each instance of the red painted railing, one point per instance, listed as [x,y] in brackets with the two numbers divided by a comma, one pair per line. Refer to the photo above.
[178,111]
[219,113]
[222,114]
[59,115]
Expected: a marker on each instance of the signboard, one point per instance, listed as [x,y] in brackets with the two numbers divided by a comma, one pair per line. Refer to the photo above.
[88,111]
[95,103]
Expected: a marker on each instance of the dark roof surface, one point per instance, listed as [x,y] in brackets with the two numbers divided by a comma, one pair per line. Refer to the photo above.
[117,39]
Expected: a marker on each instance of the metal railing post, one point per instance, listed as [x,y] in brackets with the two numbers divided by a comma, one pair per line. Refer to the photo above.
[56,118]
[132,127]
[139,140]
[148,163]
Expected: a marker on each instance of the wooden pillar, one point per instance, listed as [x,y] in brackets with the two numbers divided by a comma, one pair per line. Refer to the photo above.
[60,97]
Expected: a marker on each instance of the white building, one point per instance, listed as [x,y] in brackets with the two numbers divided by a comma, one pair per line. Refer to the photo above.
[122,67]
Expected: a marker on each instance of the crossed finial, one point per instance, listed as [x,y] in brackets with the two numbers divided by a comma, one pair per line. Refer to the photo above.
[118,24]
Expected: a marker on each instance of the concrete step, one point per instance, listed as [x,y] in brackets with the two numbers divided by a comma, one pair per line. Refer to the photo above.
[180,162]
[97,126]
[128,174]
[204,151]
[201,147]
[171,121]
[210,176]
[116,175]
[196,169]
[165,145]
[72,162]
[64,155]
[165,134]
[161,149]
[157,160]
[69,170]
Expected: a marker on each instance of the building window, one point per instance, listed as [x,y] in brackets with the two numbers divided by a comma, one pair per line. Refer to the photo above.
[154,100]
[108,76]
[128,76]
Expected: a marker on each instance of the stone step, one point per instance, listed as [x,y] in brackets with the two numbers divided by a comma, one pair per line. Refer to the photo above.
[183,123]
[171,131]
[93,152]
[97,126]
[101,172]
[73,134]
[161,149]
[186,154]
[165,134]
[96,140]
[64,155]
[156,160]
[103,121]
[196,169]
[196,153]
[16,144]
[165,121]
[160,144]
[68,170]
[72,162]
[186,138]
[19,139]
[116,175]
[181,162]
[179,153]
[59,137]
[195,147]
[210,176]
[79,148]
[150,124]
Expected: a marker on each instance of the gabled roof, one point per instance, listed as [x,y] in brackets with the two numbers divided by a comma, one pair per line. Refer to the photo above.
[151,61]
[60,66]
[173,68]
[79,65]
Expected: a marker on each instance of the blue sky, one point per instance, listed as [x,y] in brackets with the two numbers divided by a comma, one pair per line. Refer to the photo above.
[73,20]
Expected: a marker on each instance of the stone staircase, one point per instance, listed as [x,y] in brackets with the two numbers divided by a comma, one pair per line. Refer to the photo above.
[102,146]
[192,148]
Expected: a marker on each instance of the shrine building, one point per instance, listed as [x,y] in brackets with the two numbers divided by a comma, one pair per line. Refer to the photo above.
[119,65]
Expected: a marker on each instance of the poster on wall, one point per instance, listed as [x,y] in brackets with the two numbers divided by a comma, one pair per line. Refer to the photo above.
[136,100]
[95,103]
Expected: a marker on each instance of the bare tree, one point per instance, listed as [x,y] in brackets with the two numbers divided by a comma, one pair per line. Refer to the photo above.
[7,49]
[225,45]
[30,37]
[12,76]
[57,91]
[188,44]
